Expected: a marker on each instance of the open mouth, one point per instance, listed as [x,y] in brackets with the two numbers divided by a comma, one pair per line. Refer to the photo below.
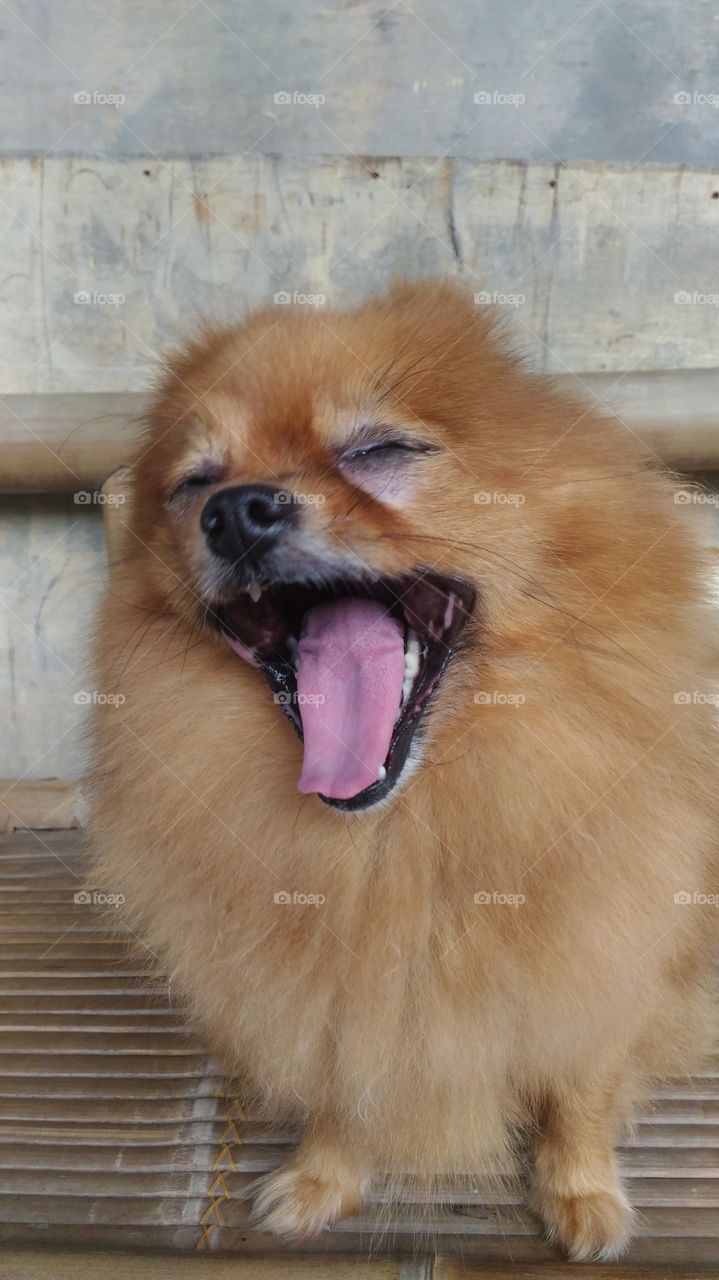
[354,666]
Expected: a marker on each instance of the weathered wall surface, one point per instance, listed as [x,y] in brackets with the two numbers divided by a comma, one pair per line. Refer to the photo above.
[399,78]
[107,262]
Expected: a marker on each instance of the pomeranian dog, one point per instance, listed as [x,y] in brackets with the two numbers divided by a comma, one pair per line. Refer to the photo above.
[411,790]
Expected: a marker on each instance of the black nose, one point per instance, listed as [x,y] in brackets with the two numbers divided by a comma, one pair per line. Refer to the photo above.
[246,521]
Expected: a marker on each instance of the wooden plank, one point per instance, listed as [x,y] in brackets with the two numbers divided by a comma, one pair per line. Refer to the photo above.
[662,1259]
[36,1264]
[674,412]
[581,258]
[454,1269]
[67,442]
[44,806]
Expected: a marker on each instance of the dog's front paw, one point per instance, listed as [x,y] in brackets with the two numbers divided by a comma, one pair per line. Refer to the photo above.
[297,1202]
[592,1224]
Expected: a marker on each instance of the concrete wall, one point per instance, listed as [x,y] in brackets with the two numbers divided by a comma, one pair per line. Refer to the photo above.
[399,78]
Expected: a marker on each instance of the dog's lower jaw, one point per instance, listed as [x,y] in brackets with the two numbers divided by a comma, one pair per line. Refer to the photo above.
[317,1186]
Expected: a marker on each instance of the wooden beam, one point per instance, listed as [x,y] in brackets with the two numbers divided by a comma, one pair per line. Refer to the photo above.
[65,443]
[40,806]
[70,443]
[577,259]
[674,411]
[36,1264]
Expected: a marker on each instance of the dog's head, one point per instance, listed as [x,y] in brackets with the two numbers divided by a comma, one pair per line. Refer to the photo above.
[338,497]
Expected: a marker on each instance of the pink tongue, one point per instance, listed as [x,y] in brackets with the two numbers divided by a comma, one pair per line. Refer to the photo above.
[349,680]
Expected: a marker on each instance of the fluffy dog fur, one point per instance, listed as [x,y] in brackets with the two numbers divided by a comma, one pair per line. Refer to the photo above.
[412,1030]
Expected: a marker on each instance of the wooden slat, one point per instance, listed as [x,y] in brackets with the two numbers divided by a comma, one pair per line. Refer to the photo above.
[34,1264]
[674,411]
[495,1256]
[71,443]
[67,442]
[452,1269]
[39,805]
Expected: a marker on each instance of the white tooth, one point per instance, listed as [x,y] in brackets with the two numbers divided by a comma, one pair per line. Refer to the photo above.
[382,773]
[411,655]
[406,688]
[254,592]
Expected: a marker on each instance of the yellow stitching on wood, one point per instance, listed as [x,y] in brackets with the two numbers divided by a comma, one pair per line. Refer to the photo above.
[229,1138]
[213,1208]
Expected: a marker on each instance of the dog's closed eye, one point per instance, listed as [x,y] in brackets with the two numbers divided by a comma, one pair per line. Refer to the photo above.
[385,451]
[197,480]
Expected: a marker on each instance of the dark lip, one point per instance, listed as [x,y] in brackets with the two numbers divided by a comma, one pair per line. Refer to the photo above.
[420,598]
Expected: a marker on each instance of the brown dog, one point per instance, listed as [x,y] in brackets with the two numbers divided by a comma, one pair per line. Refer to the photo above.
[459,912]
